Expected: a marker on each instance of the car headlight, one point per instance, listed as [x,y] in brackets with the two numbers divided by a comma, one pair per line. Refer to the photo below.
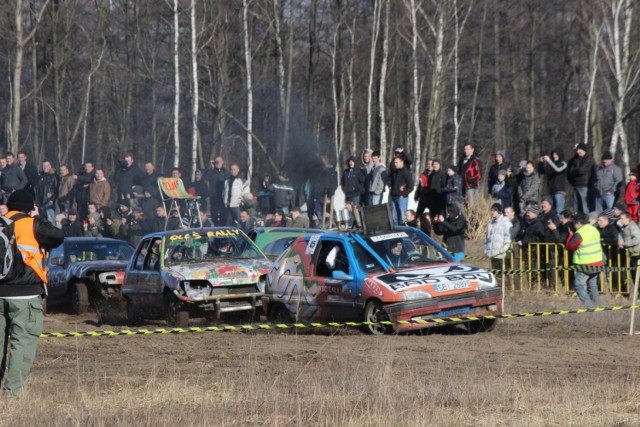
[414,295]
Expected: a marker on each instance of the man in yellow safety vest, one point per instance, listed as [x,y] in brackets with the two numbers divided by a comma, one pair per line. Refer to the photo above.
[585,243]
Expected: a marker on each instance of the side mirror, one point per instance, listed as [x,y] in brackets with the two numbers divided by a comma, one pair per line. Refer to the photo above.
[341,275]
[57,260]
[458,256]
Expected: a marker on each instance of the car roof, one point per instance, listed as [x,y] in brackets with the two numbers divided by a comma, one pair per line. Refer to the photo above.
[93,239]
[260,230]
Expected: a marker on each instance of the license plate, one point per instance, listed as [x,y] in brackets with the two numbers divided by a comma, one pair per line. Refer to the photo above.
[452,286]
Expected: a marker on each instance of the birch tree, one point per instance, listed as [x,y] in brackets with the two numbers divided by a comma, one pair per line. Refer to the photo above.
[247,61]
[383,81]
[176,85]
[196,98]
[623,60]
[375,30]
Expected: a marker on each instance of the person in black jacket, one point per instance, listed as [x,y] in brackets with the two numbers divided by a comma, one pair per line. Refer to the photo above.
[500,164]
[126,176]
[555,168]
[47,191]
[21,297]
[579,173]
[452,228]
[72,226]
[86,175]
[401,183]
[352,182]
[436,193]
[217,176]
[470,170]
[323,186]
[29,169]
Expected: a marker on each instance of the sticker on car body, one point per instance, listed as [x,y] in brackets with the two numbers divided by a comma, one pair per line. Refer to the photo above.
[311,246]
[389,237]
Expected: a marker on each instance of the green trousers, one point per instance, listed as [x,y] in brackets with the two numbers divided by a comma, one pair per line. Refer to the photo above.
[20,326]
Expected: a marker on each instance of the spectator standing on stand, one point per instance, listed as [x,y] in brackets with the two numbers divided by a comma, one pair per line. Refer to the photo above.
[579,173]
[529,186]
[65,189]
[555,169]
[86,175]
[234,189]
[126,176]
[365,168]
[632,195]
[282,193]
[498,239]
[47,191]
[422,192]
[377,180]
[470,170]
[585,243]
[452,190]
[323,186]
[217,176]
[29,169]
[12,178]
[608,180]
[401,187]
[500,191]
[352,182]
[499,164]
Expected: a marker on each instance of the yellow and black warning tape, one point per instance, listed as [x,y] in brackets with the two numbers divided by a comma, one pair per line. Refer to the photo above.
[584,268]
[281,326]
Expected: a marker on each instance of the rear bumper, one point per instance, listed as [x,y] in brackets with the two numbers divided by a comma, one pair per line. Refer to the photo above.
[479,303]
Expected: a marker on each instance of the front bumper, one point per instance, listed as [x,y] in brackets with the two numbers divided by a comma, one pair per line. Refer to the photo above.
[226,303]
[479,303]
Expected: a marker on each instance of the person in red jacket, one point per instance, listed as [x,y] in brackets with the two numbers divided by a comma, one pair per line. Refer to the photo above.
[632,195]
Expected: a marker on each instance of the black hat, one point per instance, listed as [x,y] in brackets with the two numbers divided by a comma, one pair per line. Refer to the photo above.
[72,212]
[620,206]
[607,155]
[582,146]
[124,202]
[534,209]
[547,199]
[454,168]
[496,207]
[20,200]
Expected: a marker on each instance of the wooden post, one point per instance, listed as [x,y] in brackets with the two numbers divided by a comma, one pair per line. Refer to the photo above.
[635,300]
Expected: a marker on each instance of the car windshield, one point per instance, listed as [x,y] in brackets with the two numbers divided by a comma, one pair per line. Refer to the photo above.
[98,251]
[406,247]
[202,246]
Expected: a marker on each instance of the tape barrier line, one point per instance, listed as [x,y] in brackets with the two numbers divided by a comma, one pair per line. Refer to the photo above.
[586,268]
[280,326]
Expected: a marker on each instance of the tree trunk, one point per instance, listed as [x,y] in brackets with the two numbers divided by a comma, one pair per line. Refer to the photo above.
[247,60]
[383,81]
[176,86]
[196,97]
[375,29]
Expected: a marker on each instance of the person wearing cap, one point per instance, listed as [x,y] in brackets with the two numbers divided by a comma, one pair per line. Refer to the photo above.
[72,226]
[554,168]
[579,174]
[134,227]
[608,180]
[587,252]
[499,164]
[498,239]
[632,195]
[453,190]
[21,311]
[533,228]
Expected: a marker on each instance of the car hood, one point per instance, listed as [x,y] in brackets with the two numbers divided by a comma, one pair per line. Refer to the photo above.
[438,280]
[80,269]
[219,273]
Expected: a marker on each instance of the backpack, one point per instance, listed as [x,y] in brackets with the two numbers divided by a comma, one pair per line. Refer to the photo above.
[11,264]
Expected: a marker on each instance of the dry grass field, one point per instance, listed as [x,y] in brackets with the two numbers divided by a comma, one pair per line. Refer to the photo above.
[562,370]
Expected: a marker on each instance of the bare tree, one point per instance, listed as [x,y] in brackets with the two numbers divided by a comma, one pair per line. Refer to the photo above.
[247,61]
[196,98]
[176,85]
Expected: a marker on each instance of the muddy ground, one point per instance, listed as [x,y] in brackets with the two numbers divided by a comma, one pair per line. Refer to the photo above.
[563,370]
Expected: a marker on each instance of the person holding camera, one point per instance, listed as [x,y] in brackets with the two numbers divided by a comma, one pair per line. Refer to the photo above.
[86,175]
[126,176]
[452,228]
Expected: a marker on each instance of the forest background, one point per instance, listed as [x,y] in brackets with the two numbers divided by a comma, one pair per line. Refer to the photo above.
[270,83]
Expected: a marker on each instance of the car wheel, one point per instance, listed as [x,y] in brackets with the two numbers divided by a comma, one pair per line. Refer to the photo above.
[373,312]
[280,314]
[79,298]
[133,316]
[483,325]
[175,313]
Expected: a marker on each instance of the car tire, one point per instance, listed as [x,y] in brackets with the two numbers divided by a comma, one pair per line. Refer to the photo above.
[79,298]
[374,312]
[133,315]
[176,315]
[280,314]
[482,325]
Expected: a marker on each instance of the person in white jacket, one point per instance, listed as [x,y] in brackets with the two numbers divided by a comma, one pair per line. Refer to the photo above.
[234,189]
[498,237]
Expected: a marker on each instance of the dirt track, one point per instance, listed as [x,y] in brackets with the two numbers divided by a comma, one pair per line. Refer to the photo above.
[526,371]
